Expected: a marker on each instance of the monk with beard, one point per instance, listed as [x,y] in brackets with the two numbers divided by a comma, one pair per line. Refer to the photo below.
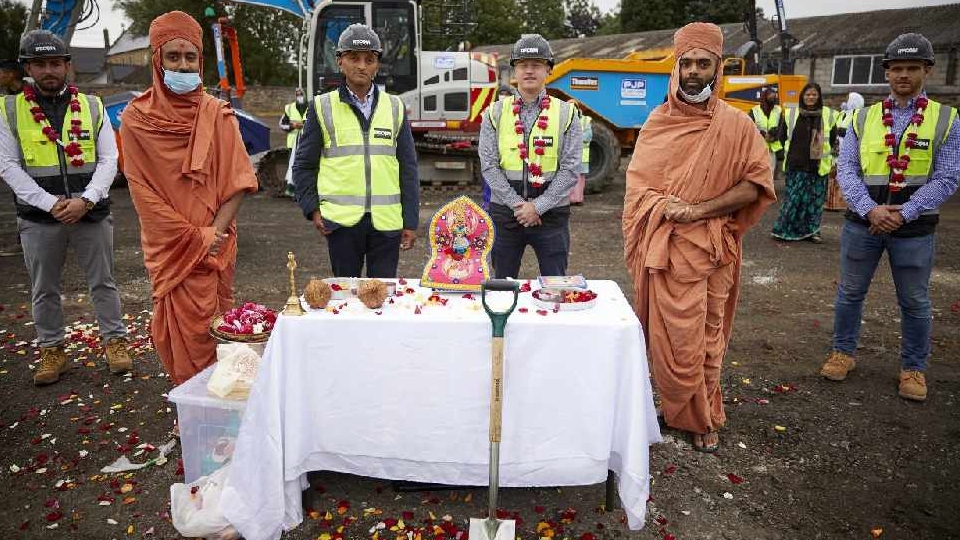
[699,178]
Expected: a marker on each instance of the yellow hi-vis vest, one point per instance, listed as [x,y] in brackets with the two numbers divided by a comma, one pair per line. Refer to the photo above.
[293,114]
[768,124]
[38,154]
[359,171]
[584,124]
[932,133]
[829,118]
[559,115]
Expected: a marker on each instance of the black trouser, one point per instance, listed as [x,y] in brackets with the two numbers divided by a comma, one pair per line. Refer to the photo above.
[550,241]
[349,245]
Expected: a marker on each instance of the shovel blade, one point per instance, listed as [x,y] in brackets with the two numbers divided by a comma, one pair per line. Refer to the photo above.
[493,529]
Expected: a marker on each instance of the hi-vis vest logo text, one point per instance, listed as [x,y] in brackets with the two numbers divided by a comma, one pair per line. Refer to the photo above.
[907,50]
[529,50]
[361,42]
[921,144]
[382,133]
[547,141]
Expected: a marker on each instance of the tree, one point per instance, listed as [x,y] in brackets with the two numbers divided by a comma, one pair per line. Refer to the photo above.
[13,18]
[498,21]
[642,15]
[267,37]
[610,23]
[544,17]
[583,18]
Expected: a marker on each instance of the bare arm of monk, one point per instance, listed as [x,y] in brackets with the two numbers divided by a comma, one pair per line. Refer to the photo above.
[223,219]
[727,202]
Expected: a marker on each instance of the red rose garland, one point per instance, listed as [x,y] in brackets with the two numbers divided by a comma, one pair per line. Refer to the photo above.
[899,164]
[72,149]
[533,163]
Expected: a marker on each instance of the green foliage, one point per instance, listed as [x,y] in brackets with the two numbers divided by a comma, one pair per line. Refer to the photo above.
[544,17]
[13,17]
[610,23]
[267,37]
[498,21]
[583,18]
[643,15]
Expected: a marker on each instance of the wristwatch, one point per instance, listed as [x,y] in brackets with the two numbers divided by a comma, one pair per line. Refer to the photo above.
[88,204]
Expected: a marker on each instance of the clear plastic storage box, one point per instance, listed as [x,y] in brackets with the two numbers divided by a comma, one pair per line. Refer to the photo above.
[208,425]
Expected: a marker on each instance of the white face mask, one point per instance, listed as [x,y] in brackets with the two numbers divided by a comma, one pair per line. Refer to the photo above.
[300,100]
[699,97]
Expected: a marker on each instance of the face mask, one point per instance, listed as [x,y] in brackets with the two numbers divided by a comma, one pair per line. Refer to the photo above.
[181,83]
[300,100]
[699,97]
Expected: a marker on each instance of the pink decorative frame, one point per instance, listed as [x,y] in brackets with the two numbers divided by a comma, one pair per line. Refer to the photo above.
[461,237]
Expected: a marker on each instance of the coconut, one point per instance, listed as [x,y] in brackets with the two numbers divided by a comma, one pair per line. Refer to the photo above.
[317,293]
[372,292]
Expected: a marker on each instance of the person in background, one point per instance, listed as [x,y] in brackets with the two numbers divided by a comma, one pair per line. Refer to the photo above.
[59,156]
[899,163]
[11,83]
[586,126]
[698,180]
[11,78]
[768,116]
[835,200]
[810,143]
[292,123]
[188,171]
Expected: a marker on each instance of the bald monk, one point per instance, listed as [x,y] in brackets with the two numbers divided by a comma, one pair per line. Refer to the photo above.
[188,171]
[699,178]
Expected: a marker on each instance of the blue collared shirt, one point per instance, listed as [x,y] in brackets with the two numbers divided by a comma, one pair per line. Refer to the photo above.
[941,184]
[366,106]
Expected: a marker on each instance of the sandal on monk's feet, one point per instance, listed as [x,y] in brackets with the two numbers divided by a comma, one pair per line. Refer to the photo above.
[701,443]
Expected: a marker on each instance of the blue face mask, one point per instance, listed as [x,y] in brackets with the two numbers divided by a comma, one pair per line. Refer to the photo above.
[181,83]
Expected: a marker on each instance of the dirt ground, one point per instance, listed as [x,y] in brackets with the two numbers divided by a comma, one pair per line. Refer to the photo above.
[849,460]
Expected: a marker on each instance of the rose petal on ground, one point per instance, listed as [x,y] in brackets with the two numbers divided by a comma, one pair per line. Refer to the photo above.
[734,479]
[876,532]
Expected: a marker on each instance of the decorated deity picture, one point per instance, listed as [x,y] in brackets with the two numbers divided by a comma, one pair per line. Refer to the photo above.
[461,237]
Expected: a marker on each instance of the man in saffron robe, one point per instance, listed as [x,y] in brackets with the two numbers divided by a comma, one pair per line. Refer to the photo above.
[187,170]
[699,178]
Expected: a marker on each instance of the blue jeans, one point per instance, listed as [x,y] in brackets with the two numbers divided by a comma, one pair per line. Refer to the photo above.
[911,260]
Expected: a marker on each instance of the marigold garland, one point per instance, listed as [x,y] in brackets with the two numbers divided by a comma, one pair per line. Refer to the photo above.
[533,162]
[898,164]
[72,149]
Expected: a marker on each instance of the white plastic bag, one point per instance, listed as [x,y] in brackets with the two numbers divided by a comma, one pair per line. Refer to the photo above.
[236,369]
[195,508]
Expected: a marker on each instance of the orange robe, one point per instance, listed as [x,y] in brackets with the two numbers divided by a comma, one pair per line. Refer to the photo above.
[686,276]
[183,159]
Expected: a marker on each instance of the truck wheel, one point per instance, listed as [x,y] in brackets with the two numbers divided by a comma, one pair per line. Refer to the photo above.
[604,158]
[272,171]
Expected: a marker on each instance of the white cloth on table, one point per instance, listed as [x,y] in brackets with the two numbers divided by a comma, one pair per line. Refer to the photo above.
[406,397]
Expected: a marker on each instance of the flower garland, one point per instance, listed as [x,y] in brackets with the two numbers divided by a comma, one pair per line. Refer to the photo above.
[898,164]
[533,162]
[72,149]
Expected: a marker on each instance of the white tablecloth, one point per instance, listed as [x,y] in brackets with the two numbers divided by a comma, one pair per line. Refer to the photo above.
[398,395]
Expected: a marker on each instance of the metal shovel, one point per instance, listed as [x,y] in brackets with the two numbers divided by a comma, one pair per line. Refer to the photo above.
[492,528]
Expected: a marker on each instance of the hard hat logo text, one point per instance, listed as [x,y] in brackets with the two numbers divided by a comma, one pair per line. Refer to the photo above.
[361,42]
[907,50]
[40,48]
[529,50]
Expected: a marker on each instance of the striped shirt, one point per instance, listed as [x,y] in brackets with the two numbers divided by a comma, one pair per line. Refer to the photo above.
[941,184]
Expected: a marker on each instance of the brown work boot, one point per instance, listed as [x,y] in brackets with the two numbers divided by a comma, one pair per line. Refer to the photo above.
[837,366]
[53,362]
[913,385]
[117,356]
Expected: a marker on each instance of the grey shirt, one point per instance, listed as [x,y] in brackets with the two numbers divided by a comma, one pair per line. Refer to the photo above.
[558,190]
